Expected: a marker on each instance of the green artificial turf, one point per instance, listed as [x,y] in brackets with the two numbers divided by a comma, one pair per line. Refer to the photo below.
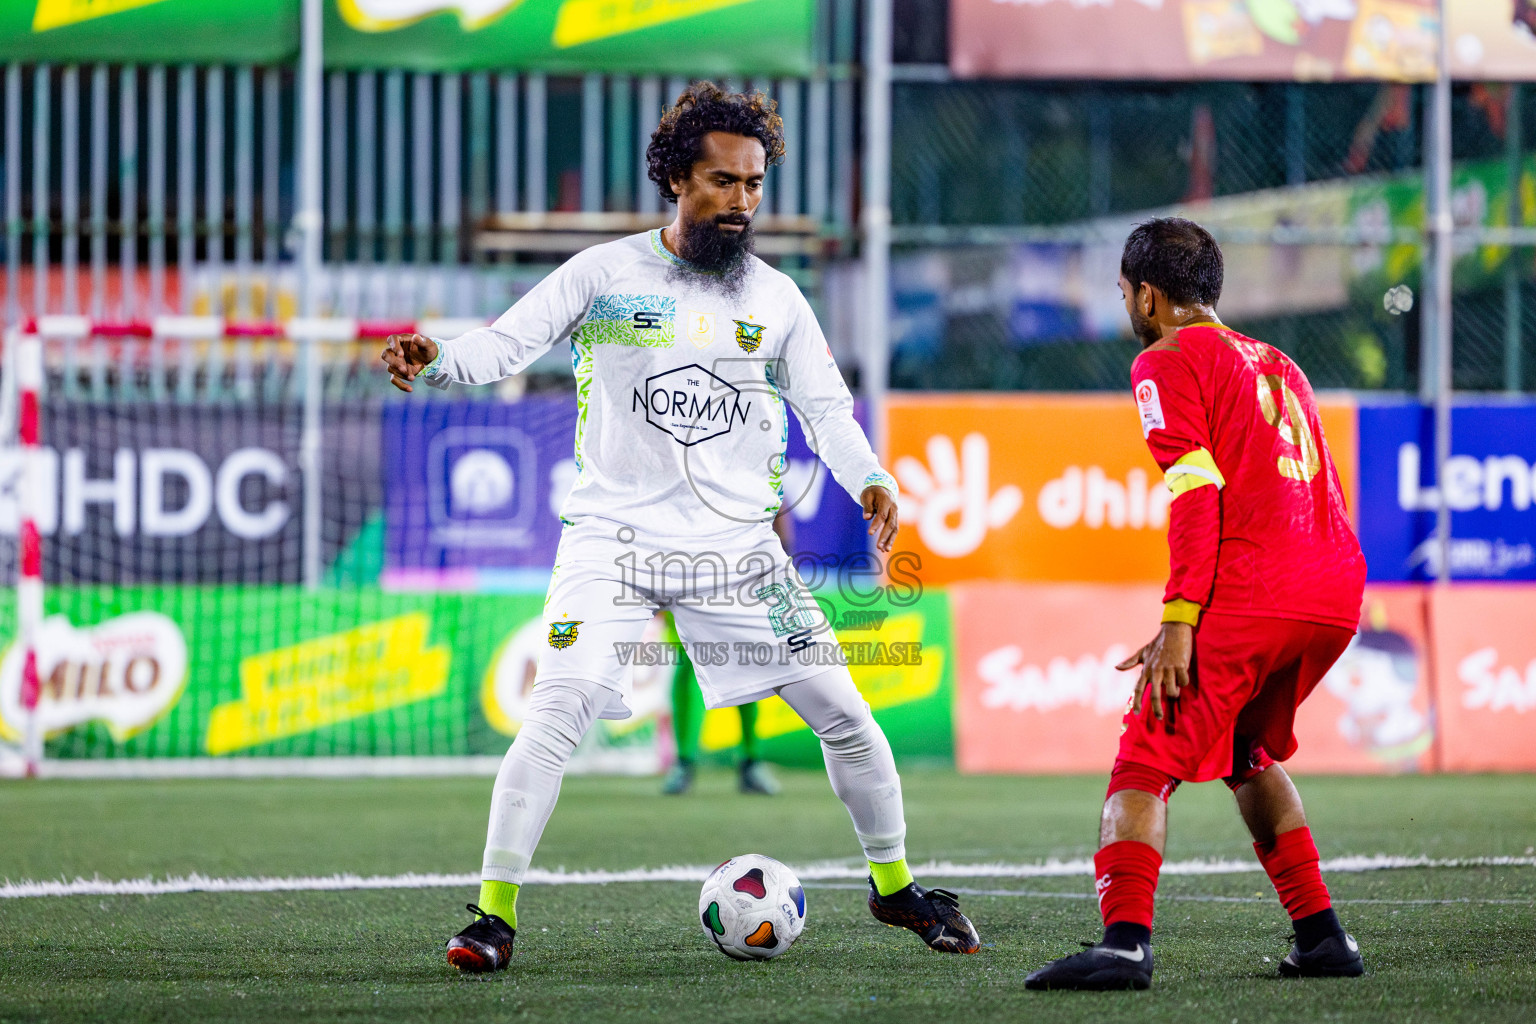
[634,951]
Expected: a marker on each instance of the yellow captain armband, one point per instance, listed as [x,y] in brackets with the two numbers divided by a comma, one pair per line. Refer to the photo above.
[1180,610]
[1197,469]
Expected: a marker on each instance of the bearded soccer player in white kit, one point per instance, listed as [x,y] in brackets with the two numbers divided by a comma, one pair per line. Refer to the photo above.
[688,352]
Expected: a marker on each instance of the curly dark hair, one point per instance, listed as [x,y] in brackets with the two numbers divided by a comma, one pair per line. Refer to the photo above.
[702,108]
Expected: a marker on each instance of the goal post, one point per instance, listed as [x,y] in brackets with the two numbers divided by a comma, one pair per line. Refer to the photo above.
[168,488]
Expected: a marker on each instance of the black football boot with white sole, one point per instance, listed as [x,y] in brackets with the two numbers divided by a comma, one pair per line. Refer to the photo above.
[485,946]
[1337,956]
[1099,968]
[934,914]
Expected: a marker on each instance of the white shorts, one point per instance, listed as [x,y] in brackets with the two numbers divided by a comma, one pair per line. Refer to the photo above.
[742,612]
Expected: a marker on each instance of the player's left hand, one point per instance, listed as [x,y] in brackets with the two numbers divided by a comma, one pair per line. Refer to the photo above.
[880,510]
[1164,666]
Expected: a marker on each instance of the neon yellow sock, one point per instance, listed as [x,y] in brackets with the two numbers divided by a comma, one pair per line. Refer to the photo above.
[500,898]
[891,877]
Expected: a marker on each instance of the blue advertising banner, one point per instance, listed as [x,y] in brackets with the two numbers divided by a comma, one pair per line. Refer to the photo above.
[1489,484]
[472,493]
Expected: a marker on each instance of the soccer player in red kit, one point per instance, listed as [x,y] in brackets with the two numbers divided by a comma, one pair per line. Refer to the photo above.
[1263,595]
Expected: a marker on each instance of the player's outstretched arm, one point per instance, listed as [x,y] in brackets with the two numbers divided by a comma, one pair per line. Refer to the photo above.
[406,355]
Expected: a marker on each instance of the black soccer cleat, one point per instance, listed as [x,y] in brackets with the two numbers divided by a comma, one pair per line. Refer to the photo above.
[485,946]
[933,913]
[1099,968]
[1337,956]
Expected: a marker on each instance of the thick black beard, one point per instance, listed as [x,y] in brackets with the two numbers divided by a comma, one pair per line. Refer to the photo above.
[722,254]
[1146,330]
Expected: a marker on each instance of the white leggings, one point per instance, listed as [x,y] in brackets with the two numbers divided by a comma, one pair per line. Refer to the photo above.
[858,757]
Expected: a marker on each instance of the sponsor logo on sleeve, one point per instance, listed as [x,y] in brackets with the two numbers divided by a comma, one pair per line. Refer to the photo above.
[1150,406]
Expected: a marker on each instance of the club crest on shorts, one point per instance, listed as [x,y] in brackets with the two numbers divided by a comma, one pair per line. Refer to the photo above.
[748,336]
[562,634]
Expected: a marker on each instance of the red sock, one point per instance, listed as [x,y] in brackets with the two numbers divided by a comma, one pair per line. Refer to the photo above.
[1126,877]
[1291,863]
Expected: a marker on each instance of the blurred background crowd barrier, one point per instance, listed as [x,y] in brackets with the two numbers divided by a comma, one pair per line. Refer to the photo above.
[253,546]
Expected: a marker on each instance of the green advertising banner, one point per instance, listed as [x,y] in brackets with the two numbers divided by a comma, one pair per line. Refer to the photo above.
[699,37]
[901,656]
[179,672]
[149,31]
[1481,194]
[274,671]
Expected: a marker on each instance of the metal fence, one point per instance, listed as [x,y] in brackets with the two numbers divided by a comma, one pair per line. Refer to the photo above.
[131,191]
[1011,199]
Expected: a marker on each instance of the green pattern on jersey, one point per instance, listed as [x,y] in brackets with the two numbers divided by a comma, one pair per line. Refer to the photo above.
[639,321]
[624,332]
[581,366]
[778,464]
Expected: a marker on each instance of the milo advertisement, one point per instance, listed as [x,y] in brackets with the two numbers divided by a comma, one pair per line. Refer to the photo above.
[260,671]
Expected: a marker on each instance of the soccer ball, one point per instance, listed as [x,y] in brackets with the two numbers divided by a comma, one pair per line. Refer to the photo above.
[752,907]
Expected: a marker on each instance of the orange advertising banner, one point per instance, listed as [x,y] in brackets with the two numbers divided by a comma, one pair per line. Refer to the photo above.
[1485,661]
[1042,487]
[1038,691]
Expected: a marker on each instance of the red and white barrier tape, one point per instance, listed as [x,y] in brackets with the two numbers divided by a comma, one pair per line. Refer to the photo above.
[341,329]
[29,577]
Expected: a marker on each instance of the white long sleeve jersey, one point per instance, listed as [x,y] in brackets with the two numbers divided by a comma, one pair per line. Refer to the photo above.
[682,391]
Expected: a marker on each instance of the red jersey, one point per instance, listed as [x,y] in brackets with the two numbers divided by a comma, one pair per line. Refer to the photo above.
[1258,524]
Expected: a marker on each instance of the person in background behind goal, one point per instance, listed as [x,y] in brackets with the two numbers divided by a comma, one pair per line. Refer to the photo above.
[752,775]
[688,352]
[1263,596]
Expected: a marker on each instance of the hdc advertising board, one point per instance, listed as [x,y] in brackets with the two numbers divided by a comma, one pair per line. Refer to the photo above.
[136,492]
[1490,481]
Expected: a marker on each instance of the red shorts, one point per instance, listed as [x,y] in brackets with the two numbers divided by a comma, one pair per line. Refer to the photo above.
[1247,678]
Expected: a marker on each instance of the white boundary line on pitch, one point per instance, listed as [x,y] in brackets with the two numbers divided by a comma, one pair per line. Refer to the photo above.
[823,872]
[1194,898]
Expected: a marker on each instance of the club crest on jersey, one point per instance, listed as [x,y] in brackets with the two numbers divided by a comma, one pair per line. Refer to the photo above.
[562,634]
[748,336]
